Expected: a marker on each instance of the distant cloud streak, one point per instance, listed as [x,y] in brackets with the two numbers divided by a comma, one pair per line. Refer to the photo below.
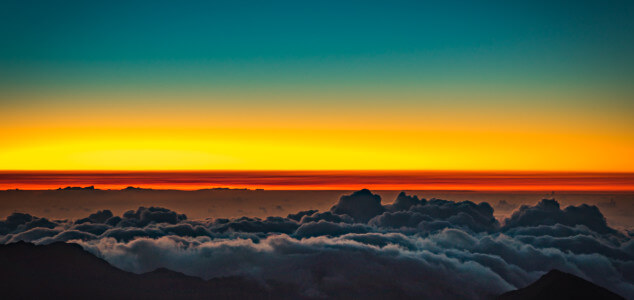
[323,180]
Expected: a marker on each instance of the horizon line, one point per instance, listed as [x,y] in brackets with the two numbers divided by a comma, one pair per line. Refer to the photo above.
[322,179]
[320,170]
[140,188]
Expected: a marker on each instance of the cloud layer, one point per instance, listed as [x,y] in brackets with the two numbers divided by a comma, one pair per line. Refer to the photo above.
[411,248]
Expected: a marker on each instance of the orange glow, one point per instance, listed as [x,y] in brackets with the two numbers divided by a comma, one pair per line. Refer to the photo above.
[253,148]
[421,131]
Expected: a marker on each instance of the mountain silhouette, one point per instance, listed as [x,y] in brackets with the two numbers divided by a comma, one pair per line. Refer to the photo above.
[562,286]
[62,270]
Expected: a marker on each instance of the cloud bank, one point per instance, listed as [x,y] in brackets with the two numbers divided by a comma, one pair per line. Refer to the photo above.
[411,248]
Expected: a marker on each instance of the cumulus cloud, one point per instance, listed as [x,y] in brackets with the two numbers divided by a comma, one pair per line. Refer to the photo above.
[146,215]
[412,248]
[434,215]
[99,217]
[21,222]
[361,206]
[404,202]
[548,212]
[325,228]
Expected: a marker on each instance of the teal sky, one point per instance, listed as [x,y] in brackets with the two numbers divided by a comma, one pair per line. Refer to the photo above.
[324,44]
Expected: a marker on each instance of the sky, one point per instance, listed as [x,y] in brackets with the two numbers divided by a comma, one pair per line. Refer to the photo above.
[317,85]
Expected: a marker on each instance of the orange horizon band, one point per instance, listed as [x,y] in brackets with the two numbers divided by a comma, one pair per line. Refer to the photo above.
[323,180]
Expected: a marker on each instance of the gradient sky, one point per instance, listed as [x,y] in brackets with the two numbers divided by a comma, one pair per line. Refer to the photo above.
[445,85]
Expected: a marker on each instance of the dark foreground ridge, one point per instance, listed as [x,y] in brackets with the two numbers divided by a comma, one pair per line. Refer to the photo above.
[62,270]
[561,286]
[66,271]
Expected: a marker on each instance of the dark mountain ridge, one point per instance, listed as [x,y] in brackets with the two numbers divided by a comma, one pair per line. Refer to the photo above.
[561,286]
[62,270]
